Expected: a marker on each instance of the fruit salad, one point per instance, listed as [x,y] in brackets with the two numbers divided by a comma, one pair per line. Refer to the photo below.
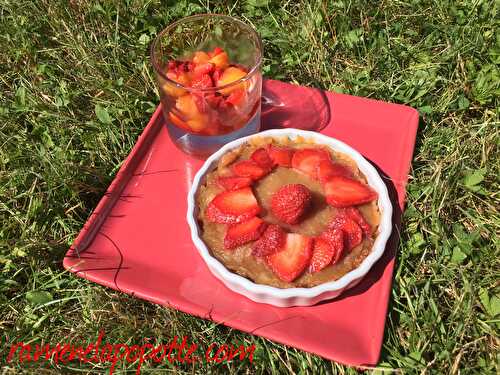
[211,98]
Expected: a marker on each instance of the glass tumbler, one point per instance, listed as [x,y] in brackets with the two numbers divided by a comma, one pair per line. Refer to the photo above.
[202,114]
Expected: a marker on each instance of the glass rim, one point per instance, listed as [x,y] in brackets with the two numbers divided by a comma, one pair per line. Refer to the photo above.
[246,77]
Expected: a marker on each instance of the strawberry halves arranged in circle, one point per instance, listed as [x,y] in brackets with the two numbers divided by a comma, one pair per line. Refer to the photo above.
[288,255]
[307,160]
[262,158]
[352,231]
[231,207]
[271,241]
[343,191]
[328,169]
[233,182]
[328,249]
[281,156]
[354,214]
[290,203]
[244,232]
[249,168]
[322,256]
[293,259]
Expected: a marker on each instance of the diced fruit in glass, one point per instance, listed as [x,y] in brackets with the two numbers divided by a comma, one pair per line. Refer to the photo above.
[236,97]
[202,82]
[197,125]
[188,107]
[206,112]
[213,128]
[203,69]
[171,89]
[177,121]
[216,51]
[200,57]
[195,119]
[220,60]
[231,74]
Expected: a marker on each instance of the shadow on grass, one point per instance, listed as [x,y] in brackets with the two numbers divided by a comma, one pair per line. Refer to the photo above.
[392,314]
[419,141]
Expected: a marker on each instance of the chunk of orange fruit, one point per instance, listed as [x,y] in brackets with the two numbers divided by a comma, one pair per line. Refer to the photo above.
[201,57]
[220,60]
[193,117]
[231,74]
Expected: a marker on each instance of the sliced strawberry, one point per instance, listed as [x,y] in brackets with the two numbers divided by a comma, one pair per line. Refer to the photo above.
[185,67]
[262,158]
[178,67]
[234,182]
[328,169]
[344,192]
[214,100]
[353,234]
[224,107]
[248,168]
[323,253]
[307,160]
[204,81]
[200,101]
[271,241]
[235,206]
[281,156]
[244,232]
[335,238]
[203,69]
[216,51]
[236,97]
[290,262]
[290,203]
[356,215]
[172,65]
[217,73]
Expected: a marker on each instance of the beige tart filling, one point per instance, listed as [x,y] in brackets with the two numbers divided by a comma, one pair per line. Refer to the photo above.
[287,213]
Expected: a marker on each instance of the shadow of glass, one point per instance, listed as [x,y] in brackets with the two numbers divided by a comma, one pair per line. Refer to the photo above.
[307,110]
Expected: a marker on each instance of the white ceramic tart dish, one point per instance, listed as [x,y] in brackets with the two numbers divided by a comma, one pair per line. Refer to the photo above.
[287,297]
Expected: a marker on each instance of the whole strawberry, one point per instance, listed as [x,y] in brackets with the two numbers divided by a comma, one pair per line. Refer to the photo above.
[290,203]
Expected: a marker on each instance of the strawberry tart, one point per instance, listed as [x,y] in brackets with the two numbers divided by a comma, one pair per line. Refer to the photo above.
[287,213]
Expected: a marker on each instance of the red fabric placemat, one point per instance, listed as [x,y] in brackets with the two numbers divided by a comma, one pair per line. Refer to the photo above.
[137,239]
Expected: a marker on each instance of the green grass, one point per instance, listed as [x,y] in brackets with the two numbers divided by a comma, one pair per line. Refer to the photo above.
[62,60]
